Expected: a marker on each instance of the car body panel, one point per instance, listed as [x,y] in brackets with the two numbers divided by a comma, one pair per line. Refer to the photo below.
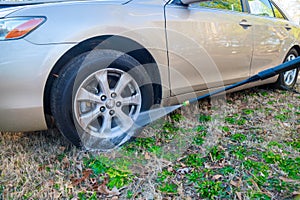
[22,83]
[210,51]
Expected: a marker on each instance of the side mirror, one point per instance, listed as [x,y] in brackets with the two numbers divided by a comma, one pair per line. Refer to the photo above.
[186,2]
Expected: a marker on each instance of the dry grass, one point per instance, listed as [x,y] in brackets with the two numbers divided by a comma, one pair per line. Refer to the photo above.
[43,165]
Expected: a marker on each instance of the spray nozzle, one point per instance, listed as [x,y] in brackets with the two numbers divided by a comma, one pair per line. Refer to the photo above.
[186,103]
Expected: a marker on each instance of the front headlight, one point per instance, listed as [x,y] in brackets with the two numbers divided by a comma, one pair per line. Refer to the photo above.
[15,28]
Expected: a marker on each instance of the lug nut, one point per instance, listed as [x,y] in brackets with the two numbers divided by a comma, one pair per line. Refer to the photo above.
[102,109]
[103,98]
[111,112]
[118,104]
[113,95]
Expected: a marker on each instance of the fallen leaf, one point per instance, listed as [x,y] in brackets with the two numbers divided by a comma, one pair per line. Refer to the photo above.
[86,173]
[114,191]
[252,158]
[296,193]
[188,198]
[147,156]
[216,177]
[255,184]
[115,198]
[103,189]
[288,180]
[234,183]
[239,195]
[170,169]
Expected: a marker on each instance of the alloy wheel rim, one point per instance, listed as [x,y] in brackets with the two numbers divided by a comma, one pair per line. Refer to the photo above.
[107,103]
[290,76]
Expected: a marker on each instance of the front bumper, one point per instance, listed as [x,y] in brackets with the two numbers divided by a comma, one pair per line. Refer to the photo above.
[24,69]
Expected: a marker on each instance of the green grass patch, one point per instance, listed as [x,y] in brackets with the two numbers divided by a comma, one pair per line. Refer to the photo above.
[209,189]
[117,170]
[238,137]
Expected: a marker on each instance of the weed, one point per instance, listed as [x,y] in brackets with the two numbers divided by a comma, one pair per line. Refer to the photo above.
[209,189]
[194,176]
[81,196]
[200,128]
[117,177]
[239,152]
[225,129]
[259,196]
[93,196]
[227,170]
[163,176]
[168,188]
[271,157]
[157,150]
[194,160]
[295,144]
[60,157]
[27,196]
[238,137]
[291,167]
[177,117]
[204,118]
[235,120]
[216,153]
[199,138]
[282,117]
[130,194]
[264,93]
[275,143]
[248,111]
[258,170]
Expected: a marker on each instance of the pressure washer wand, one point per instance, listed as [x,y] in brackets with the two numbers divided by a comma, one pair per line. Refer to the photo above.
[149,116]
[268,73]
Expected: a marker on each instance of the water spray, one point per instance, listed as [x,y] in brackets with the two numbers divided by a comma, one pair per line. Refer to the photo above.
[147,117]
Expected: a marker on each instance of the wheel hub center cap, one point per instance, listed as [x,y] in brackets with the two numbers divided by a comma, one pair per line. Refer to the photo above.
[110,103]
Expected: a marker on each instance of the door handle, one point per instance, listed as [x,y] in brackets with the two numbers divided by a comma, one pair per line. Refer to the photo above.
[287,27]
[245,24]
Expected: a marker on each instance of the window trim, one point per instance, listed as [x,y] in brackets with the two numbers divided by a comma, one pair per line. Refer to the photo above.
[244,9]
[273,4]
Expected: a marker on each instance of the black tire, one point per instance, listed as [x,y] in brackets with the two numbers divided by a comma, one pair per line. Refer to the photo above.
[286,83]
[79,71]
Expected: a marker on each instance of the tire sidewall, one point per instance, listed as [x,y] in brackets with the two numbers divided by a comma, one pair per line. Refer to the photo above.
[78,70]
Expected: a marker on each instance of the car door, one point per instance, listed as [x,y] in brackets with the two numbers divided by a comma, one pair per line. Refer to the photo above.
[209,45]
[271,35]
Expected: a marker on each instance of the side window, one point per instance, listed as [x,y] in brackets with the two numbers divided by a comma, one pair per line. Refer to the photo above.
[277,12]
[233,5]
[261,7]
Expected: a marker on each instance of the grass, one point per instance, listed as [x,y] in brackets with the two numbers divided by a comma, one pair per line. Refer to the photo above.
[248,148]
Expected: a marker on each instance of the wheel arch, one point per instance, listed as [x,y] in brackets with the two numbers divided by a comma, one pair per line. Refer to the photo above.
[118,43]
[297,47]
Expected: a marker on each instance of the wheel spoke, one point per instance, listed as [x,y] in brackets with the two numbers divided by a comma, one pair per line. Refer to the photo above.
[87,118]
[123,120]
[106,123]
[84,95]
[290,76]
[132,100]
[124,80]
[101,76]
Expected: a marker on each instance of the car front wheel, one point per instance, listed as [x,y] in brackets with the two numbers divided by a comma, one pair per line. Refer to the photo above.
[98,97]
